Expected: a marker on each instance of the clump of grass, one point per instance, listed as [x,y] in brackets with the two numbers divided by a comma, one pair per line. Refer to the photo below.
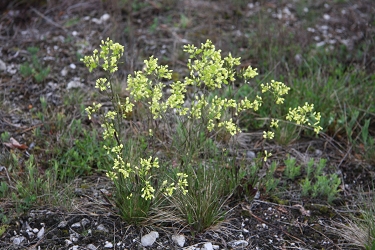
[34,68]
[31,188]
[203,205]
[358,231]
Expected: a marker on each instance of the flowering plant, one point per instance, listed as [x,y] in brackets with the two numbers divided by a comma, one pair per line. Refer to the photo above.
[189,108]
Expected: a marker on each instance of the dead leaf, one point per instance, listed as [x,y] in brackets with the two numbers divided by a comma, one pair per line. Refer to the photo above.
[13,143]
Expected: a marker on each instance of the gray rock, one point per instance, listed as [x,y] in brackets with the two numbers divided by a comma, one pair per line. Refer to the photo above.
[250,155]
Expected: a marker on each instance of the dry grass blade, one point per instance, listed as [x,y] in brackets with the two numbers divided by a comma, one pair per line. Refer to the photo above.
[354,234]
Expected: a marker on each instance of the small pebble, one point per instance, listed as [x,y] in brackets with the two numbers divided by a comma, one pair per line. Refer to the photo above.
[179,240]
[108,244]
[91,247]
[62,224]
[149,239]
[85,221]
[102,228]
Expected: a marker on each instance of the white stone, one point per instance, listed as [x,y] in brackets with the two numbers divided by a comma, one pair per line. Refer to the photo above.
[85,221]
[74,84]
[3,66]
[18,240]
[76,225]
[62,224]
[105,17]
[35,230]
[238,243]
[102,228]
[68,242]
[40,234]
[96,20]
[91,247]
[324,27]
[309,29]
[12,69]
[215,247]
[108,244]
[179,239]
[72,66]
[316,38]
[30,234]
[149,239]
[207,246]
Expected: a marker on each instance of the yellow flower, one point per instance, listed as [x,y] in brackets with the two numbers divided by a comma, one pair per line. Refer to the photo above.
[268,135]
[266,155]
[147,191]
[274,123]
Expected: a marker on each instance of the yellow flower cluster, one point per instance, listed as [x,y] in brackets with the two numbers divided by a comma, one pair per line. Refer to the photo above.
[305,116]
[110,53]
[268,135]
[93,109]
[278,89]
[208,68]
[182,184]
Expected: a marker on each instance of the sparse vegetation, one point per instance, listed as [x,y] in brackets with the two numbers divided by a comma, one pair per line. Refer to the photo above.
[35,67]
[192,156]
